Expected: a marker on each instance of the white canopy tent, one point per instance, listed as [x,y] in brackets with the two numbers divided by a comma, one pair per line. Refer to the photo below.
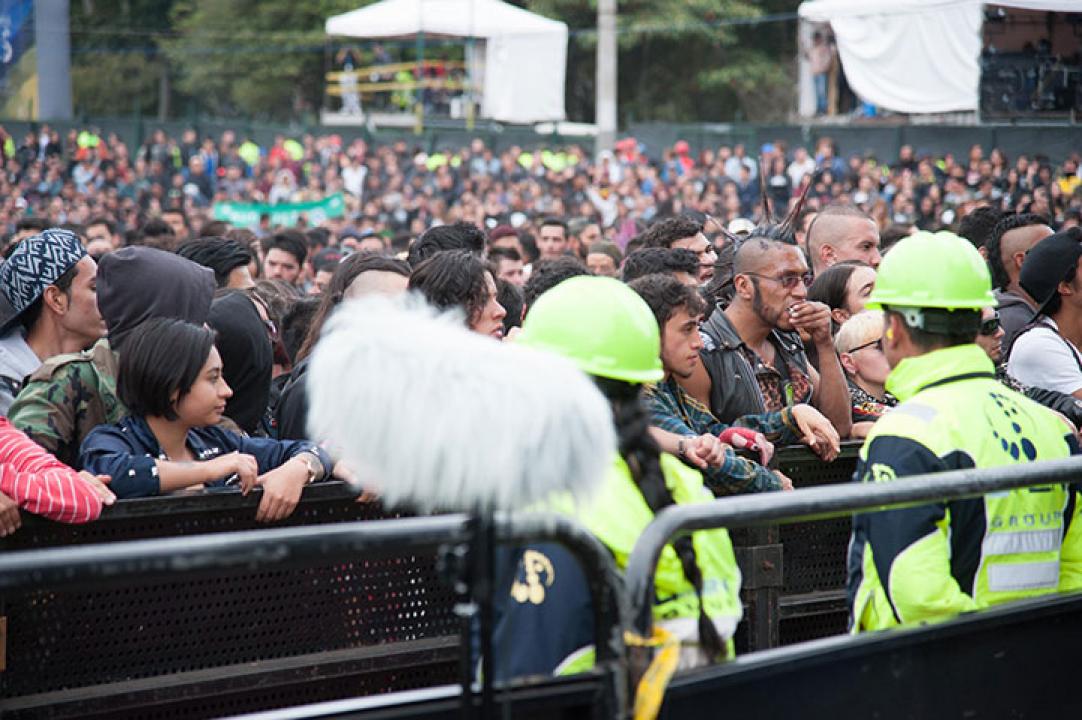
[914,56]
[525,55]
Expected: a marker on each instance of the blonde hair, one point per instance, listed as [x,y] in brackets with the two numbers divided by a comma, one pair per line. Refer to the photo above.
[864,327]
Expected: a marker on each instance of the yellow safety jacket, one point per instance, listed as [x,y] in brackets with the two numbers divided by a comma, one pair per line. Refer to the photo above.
[932,562]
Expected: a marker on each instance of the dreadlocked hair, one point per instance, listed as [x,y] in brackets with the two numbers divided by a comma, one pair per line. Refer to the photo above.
[1000,279]
[643,457]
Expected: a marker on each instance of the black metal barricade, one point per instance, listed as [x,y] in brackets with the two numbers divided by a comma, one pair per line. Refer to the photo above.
[195,624]
[196,645]
[794,574]
[223,642]
[823,503]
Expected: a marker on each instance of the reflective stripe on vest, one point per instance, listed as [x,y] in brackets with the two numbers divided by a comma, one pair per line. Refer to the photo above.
[1011,577]
[1031,541]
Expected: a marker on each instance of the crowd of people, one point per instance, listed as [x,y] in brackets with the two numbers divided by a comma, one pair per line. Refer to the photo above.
[95,180]
[147,348]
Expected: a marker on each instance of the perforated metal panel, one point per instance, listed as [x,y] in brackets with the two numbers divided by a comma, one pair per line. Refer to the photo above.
[814,553]
[811,627]
[64,640]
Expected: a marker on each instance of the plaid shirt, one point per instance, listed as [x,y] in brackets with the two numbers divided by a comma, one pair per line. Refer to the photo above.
[673,409]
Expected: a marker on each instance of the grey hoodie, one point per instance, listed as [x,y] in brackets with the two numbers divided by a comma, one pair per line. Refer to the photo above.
[1015,313]
[17,361]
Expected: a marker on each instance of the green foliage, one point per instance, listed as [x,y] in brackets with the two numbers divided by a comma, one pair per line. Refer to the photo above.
[110,84]
[679,60]
[248,58]
[114,63]
[695,60]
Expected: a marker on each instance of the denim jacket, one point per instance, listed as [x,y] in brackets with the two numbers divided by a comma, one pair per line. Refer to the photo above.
[127,451]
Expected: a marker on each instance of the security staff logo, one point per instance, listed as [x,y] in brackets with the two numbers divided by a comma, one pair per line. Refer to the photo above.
[538,574]
[1007,427]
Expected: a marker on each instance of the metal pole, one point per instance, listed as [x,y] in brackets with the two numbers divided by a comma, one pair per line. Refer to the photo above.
[605,113]
[52,38]
[419,104]
[821,503]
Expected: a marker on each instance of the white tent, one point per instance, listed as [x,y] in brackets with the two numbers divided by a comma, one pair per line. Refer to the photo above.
[914,56]
[525,55]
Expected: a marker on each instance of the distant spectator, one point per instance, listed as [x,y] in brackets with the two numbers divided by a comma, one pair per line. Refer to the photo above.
[681,263]
[841,232]
[227,258]
[1008,245]
[285,255]
[604,259]
[547,274]
[509,265]
[459,236]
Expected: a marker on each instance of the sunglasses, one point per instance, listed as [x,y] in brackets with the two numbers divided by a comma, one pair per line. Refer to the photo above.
[786,281]
[990,326]
[877,343]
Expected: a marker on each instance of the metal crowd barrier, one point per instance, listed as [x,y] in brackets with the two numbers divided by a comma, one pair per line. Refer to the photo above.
[1007,661]
[202,626]
[822,503]
[794,574]
[212,618]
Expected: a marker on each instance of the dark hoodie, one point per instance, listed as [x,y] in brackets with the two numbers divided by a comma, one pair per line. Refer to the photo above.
[247,359]
[139,283]
[70,395]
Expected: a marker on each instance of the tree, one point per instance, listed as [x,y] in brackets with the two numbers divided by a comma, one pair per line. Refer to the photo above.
[116,66]
[249,58]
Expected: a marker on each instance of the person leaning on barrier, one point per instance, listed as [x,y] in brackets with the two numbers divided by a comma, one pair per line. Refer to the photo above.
[932,562]
[33,480]
[70,395]
[678,310]
[752,352]
[544,625]
[172,383]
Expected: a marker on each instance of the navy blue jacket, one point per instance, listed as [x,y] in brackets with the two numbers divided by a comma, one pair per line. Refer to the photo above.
[127,452]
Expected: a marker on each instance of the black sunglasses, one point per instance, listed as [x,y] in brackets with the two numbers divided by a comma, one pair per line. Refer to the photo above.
[990,326]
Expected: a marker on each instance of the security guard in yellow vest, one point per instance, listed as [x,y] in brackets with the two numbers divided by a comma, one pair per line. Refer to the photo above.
[544,621]
[932,562]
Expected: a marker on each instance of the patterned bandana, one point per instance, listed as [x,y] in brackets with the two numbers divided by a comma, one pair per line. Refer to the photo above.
[36,264]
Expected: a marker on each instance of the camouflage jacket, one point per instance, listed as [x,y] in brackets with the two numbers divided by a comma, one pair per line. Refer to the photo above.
[66,398]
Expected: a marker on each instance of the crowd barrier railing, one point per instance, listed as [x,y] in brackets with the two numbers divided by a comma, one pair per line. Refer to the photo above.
[205,616]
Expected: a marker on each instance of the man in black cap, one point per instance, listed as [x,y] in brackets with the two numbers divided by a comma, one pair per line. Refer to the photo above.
[71,394]
[1046,352]
[49,283]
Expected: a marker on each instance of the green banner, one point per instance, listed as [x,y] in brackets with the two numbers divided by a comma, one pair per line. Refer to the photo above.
[284,214]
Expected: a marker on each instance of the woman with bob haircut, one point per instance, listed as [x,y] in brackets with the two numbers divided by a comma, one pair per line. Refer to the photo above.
[170,379]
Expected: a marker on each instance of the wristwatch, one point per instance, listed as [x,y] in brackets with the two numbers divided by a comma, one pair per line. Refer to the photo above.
[315,467]
[682,447]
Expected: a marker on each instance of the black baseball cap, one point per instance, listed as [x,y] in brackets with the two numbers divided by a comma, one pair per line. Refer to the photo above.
[1046,265]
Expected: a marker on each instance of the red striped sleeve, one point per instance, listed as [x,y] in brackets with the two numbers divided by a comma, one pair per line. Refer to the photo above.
[41,484]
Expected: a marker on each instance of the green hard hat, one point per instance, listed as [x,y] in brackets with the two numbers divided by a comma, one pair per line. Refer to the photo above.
[600,324]
[933,270]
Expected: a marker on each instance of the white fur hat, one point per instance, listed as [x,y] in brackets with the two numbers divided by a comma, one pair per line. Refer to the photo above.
[435,417]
